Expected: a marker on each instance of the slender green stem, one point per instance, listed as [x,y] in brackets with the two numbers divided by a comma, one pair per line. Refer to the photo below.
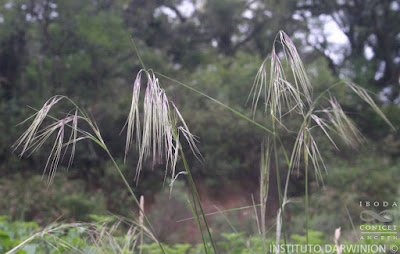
[141,216]
[306,201]
[137,53]
[278,180]
[196,194]
[306,155]
[196,216]
[251,121]
[194,191]
[227,220]
[133,195]
[223,211]
[217,102]
[99,140]
[264,185]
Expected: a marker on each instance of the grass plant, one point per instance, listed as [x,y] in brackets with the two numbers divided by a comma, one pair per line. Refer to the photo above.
[282,84]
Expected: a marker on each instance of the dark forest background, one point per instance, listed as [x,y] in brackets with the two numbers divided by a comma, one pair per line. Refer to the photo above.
[84,50]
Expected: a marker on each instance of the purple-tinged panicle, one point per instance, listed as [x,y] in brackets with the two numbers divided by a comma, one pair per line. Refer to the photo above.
[160,133]
[343,125]
[29,134]
[133,121]
[35,136]
[279,94]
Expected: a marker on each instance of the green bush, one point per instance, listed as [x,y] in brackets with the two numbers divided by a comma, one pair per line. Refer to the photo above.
[27,197]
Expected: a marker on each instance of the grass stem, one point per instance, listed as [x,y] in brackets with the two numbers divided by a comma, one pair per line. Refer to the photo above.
[196,195]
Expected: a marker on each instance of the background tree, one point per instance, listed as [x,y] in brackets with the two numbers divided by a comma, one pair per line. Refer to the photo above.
[373,56]
[83,49]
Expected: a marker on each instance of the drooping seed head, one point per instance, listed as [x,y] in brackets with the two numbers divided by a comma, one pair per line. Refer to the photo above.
[159,134]
[35,136]
[363,94]
[279,93]
[133,121]
[26,138]
[343,125]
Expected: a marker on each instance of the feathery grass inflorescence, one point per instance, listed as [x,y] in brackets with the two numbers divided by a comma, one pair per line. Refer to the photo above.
[281,97]
[159,133]
[26,138]
[100,237]
[104,238]
[134,114]
[278,92]
[363,94]
[35,136]
[300,76]
[163,125]
[306,148]
[342,124]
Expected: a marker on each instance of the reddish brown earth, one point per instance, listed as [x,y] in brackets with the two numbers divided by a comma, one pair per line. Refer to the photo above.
[231,195]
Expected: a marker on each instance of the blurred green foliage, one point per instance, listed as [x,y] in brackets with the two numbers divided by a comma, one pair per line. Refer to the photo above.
[83,49]
[27,197]
[74,238]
